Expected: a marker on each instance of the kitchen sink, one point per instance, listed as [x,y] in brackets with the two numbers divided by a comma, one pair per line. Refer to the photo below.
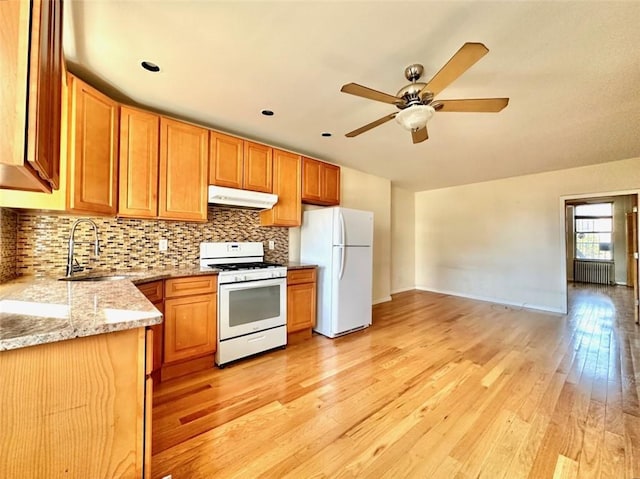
[94,278]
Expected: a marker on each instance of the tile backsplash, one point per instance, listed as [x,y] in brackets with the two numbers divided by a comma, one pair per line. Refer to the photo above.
[8,239]
[43,240]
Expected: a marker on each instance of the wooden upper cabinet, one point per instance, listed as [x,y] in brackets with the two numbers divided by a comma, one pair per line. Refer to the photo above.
[93,146]
[320,183]
[184,155]
[31,94]
[330,184]
[138,192]
[226,160]
[236,163]
[287,185]
[258,165]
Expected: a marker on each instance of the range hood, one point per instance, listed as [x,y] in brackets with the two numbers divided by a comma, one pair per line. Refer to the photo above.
[219,195]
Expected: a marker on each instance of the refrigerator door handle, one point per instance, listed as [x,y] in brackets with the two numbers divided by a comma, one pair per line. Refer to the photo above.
[343,229]
[343,253]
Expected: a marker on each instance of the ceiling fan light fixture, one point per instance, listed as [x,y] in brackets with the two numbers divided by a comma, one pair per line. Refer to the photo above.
[415,116]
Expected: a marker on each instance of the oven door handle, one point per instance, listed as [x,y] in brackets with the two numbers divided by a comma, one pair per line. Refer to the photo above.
[252,284]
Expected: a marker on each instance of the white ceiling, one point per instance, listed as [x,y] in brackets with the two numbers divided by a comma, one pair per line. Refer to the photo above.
[571,70]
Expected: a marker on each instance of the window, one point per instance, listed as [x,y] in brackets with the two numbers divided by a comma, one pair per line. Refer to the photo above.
[593,230]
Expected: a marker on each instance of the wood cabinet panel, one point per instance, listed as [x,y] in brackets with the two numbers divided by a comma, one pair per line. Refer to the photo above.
[184,153]
[153,291]
[138,185]
[301,299]
[73,408]
[178,287]
[258,166]
[92,165]
[287,185]
[189,327]
[301,306]
[311,179]
[30,94]
[306,275]
[320,183]
[226,160]
[331,184]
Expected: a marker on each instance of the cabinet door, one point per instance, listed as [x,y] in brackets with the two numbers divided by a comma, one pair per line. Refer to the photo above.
[330,184]
[138,192]
[311,177]
[93,126]
[301,306]
[226,160]
[45,90]
[258,163]
[287,185]
[183,171]
[190,327]
[30,94]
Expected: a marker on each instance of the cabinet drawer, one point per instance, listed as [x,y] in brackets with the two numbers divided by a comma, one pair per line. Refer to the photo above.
[153,291]
[296,276]
[175,288]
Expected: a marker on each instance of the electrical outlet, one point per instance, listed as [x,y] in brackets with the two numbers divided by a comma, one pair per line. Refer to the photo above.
[163,245]
[272,244]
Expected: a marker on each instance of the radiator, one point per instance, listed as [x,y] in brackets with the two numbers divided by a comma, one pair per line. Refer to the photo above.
[600,272]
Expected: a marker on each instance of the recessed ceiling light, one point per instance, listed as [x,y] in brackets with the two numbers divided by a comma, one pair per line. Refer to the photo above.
[152,67]
[326,134]
[267,112]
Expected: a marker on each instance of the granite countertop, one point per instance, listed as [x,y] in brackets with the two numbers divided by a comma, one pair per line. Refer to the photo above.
[296,265]
[37,310]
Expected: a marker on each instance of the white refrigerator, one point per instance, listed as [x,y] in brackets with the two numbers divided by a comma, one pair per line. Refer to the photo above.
[339,241]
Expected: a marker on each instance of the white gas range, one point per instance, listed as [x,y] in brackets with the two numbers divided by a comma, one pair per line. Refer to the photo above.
[252,299]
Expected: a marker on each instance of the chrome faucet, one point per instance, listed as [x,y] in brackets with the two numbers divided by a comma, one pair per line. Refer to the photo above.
[72,264]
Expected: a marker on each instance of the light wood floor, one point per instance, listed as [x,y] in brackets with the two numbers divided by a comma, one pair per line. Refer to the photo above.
[438,387]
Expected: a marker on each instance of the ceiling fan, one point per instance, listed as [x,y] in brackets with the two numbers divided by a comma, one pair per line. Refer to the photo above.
[416,100]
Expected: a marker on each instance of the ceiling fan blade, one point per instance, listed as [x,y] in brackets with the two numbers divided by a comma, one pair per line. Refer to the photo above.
[419,135]
[459,63]
[371,125]
[365,92]
[480,105]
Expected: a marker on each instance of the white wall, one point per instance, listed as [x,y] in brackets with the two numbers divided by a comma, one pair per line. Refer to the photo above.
[403,240]
[503,240]
[371,193]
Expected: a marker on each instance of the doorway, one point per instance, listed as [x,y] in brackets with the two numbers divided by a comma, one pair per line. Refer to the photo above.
[601,243]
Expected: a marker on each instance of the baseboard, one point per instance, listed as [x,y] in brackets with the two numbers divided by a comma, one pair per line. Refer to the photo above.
[402,290]
[488,299]
[381,300]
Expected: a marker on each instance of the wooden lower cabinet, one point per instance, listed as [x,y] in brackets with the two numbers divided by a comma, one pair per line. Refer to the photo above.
[154,292]
[190,325]
[301,300]
[76,408]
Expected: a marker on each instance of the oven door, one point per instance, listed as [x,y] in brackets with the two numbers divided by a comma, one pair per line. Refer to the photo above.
[252,306]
